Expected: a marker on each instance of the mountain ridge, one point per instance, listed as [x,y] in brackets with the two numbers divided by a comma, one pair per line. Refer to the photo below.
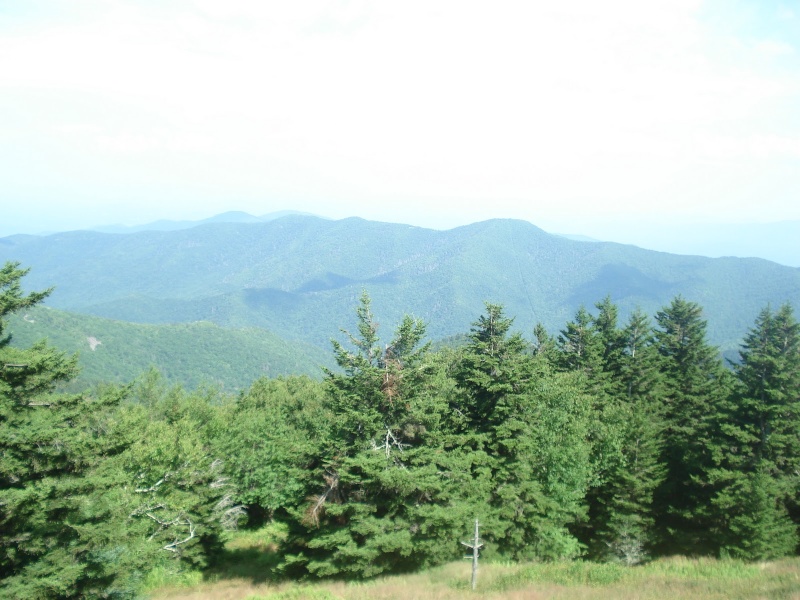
[300,276]
[775,241]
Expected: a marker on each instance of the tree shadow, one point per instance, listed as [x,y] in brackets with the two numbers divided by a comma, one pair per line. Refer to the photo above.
[255,564]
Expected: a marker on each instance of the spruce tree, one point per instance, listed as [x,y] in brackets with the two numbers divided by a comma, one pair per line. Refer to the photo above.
[610,337]
[580,348]
[696,386]
[93,494]
[621,512]
[531,427]
[381,496]
[492,371]
[50,540]
[768,390]
[758,472]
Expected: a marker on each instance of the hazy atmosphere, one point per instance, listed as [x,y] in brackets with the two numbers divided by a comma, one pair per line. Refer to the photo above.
[602,119]
[317,299]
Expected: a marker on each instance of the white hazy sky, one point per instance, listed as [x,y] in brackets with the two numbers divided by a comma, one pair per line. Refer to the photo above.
[576,115]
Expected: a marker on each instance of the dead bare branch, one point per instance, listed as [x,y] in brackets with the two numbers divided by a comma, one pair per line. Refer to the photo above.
[332,485]
[173,547]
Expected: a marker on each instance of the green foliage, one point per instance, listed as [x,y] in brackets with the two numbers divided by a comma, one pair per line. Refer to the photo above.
[758,468]
[580,346]
[618,368]
[49,447]
[533,425]
[95,493]
[378,502]
[617,442]
[282,428]
[189,354]
[696,387]
[758,524]
[768,392]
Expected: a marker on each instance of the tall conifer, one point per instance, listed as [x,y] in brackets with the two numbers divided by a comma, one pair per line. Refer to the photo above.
[532,426]
[695,390]
[378,501]
[621,510]
[758,470]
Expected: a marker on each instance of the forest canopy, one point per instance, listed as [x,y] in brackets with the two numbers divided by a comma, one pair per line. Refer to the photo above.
[607,441]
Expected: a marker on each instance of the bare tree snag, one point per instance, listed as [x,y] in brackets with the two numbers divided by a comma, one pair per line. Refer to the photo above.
[475,545]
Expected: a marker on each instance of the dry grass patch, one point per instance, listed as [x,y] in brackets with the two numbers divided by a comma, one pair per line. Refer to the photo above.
[246,573]
[661,580]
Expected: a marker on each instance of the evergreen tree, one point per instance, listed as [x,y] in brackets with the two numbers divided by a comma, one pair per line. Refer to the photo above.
[491,372]
[49,443]
[92,495]
[758,470]
[610,337]
[382,496]
[768,391]
[695,391]
[580,348]
[621,511]
[531,427]
[639,370]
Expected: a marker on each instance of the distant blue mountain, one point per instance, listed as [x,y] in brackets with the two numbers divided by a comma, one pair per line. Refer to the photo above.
[300,276]
[233,216]
[778,242]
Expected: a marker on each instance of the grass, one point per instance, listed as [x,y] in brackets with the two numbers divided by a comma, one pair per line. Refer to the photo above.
[245,574]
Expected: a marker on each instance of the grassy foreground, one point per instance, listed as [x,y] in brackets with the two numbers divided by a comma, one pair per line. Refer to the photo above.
[245,575]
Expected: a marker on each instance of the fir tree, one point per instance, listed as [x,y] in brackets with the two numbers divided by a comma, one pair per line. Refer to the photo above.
[94,495]
[531,425]
[768,390]
[609,336]
[491,371]
[695,391]
[580,348]
[625,440]
[623,516]
[383,496]
[49,444]
[758,470]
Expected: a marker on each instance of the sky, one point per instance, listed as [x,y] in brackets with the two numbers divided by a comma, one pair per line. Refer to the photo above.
[580,116]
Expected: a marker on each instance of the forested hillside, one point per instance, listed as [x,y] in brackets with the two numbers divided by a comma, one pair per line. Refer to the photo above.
[614,439]
[190,354]
[298,276]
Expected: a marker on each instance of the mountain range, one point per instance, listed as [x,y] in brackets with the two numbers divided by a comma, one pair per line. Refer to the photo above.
[776,241]
[299,277]
[232,216]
